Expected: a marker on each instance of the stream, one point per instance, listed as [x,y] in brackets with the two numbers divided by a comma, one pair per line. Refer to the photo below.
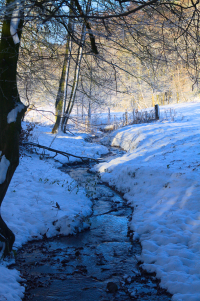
[97,264]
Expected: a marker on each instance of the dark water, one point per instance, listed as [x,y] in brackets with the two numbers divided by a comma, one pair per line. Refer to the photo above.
[97,264]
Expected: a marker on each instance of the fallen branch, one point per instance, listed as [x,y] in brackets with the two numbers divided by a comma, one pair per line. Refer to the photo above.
[59,152]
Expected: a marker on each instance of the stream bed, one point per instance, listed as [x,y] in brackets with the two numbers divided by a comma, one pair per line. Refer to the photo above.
[97,264]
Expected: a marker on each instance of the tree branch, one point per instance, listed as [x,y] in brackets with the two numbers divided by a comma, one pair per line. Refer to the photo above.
[83,16]
[59,152]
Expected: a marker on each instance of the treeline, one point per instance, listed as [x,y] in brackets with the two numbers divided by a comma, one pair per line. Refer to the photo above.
[142,59]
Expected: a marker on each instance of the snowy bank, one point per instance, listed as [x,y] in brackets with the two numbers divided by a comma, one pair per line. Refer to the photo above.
[30,208]
[159,176]
[42,200]
[73,144]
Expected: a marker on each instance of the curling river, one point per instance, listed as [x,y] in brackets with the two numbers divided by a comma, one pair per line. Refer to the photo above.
[97,264]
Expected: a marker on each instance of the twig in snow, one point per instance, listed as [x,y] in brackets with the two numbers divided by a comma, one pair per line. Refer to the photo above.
[59,152]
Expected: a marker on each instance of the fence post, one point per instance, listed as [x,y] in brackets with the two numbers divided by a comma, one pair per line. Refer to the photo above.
[126,118]
[157,112]
[89,111]
[89,118]
[133,115]
[108,115]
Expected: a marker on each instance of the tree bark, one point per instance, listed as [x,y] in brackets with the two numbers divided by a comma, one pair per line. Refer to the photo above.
[63,84]
[61,89]
[75,81]
[11,108]
[71,101]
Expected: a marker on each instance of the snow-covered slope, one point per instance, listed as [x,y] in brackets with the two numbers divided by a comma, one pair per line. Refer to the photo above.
[160,176]
[42,200]
[73,144]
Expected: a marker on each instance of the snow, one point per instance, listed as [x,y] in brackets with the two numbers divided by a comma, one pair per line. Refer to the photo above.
[12,115]
[73,144]
[10,289]
[44,185]
[43,200]
[14,23]
[43,114]
[4,164]
[159,176]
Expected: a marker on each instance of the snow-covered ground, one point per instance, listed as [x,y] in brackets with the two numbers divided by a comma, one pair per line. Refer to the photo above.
[45,115]
[72,144]
[159,175]
[42,200]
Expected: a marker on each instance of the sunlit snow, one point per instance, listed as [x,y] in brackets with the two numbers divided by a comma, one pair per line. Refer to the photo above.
[29,207]
[159,176]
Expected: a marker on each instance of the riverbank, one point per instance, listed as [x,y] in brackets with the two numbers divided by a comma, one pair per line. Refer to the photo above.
[159,177]
[97,264]
[42,201]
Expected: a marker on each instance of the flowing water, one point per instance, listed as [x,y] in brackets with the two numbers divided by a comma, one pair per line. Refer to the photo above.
[97,264]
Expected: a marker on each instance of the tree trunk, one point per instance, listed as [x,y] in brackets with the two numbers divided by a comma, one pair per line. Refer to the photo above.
[86,25]
[63,84]
[76,79]
[11,108]
[62,88]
